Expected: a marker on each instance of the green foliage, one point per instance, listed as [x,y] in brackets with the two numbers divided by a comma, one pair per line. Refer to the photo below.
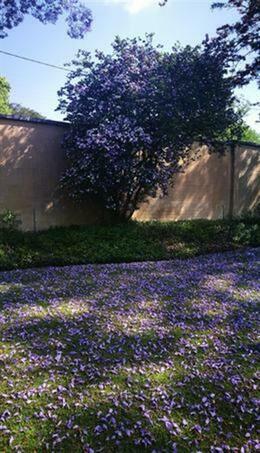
[250,135]
[246,234]
[9,220]
[4,96]
[240,131]
[7,108]
[134,241]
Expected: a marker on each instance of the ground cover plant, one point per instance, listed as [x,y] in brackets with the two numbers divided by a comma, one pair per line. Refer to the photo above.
[135,241]
[155,356]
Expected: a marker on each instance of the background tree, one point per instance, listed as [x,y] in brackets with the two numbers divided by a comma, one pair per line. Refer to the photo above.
[79,17]
[24,112]
[7,108]
[134,114]
[240,131]
[250,135]
[4,96]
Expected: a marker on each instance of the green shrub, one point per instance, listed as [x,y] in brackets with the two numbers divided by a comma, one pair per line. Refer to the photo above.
[246,234]
[135,241]
[9,220]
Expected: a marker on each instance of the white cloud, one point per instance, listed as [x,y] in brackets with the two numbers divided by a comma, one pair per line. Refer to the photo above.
[134,6]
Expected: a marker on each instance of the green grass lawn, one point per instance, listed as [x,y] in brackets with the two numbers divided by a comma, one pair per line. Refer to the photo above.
[149,356]
[135,241]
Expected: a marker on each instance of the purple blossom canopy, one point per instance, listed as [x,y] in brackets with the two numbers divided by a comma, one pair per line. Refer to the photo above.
[134,114]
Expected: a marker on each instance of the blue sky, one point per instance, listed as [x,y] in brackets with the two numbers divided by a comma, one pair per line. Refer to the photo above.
[35,86]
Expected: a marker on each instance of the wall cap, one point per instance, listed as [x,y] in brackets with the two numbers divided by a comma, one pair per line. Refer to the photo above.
[255,145]
[33,120]
[64,123]
[237,142]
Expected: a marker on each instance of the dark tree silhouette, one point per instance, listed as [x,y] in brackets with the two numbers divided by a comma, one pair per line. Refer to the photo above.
[240,40]
[20,111]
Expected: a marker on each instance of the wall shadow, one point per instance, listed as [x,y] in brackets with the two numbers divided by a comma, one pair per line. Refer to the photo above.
[247,180]
[31,164]
[200,191]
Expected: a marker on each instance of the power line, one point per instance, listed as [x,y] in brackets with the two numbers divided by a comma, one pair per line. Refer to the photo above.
[62,68]
[35,61]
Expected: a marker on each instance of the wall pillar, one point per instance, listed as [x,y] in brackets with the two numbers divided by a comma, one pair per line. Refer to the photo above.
[232,180]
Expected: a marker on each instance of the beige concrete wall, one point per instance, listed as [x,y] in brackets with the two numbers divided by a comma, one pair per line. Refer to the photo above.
[247,179]
[202,191]
[32,161]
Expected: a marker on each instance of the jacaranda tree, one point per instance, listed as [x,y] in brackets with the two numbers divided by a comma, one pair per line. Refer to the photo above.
[12,13]
[134,114]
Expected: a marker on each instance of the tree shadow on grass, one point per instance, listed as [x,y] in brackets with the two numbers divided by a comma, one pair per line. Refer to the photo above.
[120,342]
